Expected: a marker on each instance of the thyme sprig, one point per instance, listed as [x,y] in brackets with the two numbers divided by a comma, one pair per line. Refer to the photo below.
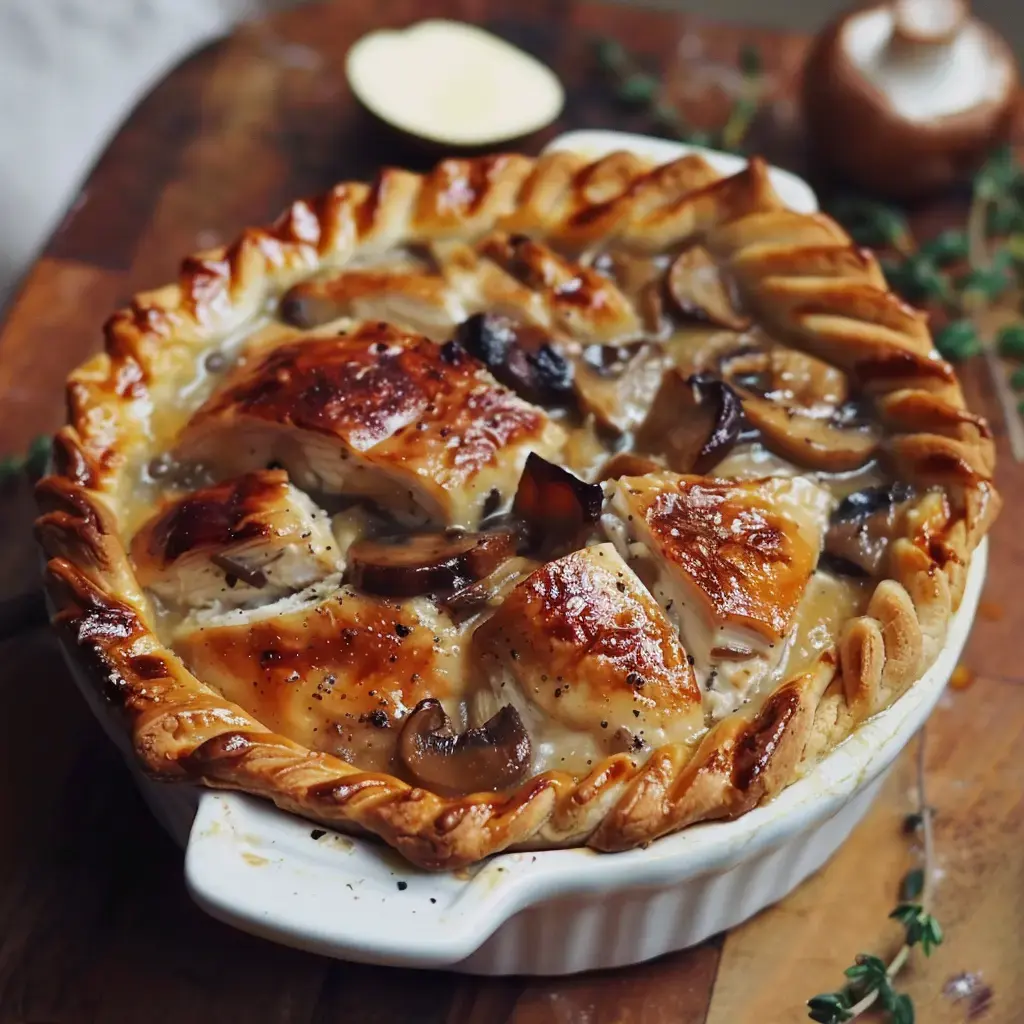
[870,980]
[972,276]
[637,87]
[32,463]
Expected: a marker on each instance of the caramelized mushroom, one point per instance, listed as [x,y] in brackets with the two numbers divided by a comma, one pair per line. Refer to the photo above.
[695,285]
[492,757]
[555,505]
[426,563]
[799,405]
[519,355]
[693,423]
[861,528]
[628,464]
[614,383]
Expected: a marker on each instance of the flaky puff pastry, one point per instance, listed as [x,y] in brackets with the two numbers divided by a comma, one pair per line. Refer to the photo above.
[800,275]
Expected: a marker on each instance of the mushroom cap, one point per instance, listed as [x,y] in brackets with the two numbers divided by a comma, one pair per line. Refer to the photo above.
[856,130]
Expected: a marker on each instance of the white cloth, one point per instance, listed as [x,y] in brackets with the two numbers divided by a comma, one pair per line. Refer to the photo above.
[70,70]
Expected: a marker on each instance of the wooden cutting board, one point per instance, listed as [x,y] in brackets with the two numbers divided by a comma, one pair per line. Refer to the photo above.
[95,925]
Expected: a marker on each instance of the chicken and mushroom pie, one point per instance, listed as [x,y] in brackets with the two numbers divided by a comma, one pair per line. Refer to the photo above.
[525,503]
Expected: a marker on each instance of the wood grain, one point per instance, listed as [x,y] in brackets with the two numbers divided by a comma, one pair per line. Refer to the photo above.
[95,923]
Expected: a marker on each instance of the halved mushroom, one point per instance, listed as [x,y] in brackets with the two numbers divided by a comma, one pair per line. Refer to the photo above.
[492,757]
[427,563]
[519,355]
[800,406]
[693,422]
[695,285]
[555,505]
[861,528]
[615,383]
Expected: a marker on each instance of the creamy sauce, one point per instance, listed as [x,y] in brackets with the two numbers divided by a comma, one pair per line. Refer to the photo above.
[726,683]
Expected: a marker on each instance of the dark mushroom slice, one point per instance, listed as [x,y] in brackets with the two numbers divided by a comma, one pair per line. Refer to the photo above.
[800,406]
[693,423]
[862,527]
[492,757]
[555,505]
[521,356]
[427,563]
[698,292]
[615,383]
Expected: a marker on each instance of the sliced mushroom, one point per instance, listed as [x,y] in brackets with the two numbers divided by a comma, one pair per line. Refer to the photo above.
[800,406]
[519,355]
[492,757]
[555,505]
[861,528]
[693,423]
[628,464]
[615,383]
[427,563]
[695,285]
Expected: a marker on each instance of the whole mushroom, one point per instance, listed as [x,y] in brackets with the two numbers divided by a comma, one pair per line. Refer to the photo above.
[905,97]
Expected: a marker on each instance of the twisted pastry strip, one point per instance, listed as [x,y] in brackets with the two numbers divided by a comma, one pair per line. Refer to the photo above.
[801,274]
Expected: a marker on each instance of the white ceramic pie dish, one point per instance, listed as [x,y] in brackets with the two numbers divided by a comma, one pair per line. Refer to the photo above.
[553,912]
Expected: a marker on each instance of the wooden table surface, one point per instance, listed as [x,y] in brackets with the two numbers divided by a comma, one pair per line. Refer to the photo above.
[95,923]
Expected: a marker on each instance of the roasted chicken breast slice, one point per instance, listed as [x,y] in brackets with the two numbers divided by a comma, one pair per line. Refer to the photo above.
[729,561]
[590,661]
[254,537]
[330,667]
[422,429]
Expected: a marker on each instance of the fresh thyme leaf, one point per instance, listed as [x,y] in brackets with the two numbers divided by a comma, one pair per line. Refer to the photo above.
[1004,220]
[1010,341]
[912,885]
[829,1008]
[638,88]
[958,340]
[902,1010]
[989,283]
[947,247]
[1017,379]
[872,223]
[999,176]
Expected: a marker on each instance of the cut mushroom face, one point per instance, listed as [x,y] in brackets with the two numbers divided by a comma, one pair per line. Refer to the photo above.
[800,406]
[520,356]
[693,423]
[492,757]
[862,527]
[698,292]
[555,505]
[427,563]
[614,384]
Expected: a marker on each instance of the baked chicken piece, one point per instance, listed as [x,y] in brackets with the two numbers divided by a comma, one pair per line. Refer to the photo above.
[580,647]
[422,429]
[255,537]
[729,561]
[332,668]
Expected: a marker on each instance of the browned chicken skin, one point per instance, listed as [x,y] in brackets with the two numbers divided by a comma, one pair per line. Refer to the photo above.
[422,429]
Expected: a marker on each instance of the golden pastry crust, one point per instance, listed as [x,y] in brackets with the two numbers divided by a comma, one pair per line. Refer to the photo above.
[800,275]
